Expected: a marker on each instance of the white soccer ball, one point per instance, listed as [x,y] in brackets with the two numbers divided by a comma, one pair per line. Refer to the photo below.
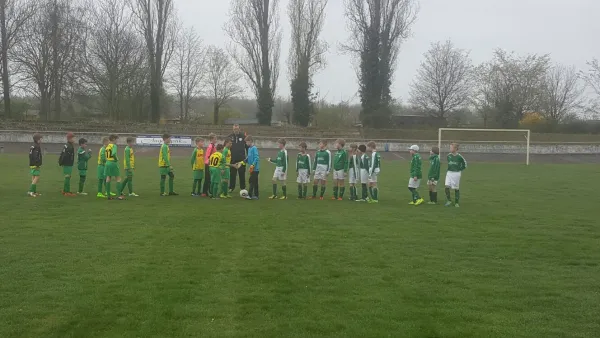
[243,193]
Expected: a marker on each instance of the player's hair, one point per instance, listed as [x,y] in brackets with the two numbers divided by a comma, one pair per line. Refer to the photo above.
[198,139]
[341,142]
[165,136]
[219,147]
[324,142]
[82,141]
[362,148]
[371,144]
[281,141]
[212,136]
[303,145]
[113,137]
[249,138]
[227,140]
[353,146]
[435,150]
[130,139]
[105,139]
[37,138]
[456,145]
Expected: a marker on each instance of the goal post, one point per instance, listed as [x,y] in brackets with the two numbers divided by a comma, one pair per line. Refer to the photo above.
[526,132]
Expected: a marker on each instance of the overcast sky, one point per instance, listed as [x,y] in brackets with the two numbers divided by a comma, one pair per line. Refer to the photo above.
[569,30]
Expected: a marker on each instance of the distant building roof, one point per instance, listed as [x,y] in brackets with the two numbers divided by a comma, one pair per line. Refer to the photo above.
[241,121]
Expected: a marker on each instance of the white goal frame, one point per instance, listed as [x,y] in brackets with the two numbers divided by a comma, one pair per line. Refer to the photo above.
[526,131]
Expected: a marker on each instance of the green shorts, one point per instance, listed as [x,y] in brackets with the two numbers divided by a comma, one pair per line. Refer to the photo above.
[111,169]
[100,172]
[129,172]
[215,175]
[67,170]
[198,174]
[164,170]
[34,171]
[83,172]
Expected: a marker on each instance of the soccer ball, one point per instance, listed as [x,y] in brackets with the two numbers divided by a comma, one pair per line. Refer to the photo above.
[244,193]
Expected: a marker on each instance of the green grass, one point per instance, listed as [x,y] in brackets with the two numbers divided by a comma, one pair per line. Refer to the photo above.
[518,259]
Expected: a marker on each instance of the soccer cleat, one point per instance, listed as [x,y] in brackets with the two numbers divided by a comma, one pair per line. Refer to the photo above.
[100,195]
[120,198]
[204,195]
[31,194]
[283,198]
[273,197]
[255,198]
[411,203]
[82,193]
[231,190]
[113,194]
[373,201]
[311,198]
[164,194]
[456,205]
[173,194]
[419,201]
[321,198]
[431,203]
[340,199]
[361,200]
[334,198]
[248,197]
[133,195]
[448,204]
[222,196]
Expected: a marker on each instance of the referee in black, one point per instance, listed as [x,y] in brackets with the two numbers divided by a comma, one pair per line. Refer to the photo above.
[239,152]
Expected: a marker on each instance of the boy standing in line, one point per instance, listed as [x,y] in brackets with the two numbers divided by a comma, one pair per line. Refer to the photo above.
[35,163]
[364,172]
[353,172]
[433,176]
[129,163]
[374,169]
[415,175]
[66,161]
[100,169]
[197,162]
[209,151]
[280,174]
[111,169]
[215,163]
[83,156]
[254,162]
[303,165]
[340,168]
[321,167]
[456,165]
[165,168]
[226,169]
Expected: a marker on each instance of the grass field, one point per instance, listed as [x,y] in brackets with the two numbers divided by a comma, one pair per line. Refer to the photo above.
[520,258]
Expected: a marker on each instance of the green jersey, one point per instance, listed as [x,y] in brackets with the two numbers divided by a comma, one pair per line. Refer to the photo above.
[82,158]
[354,165]
[365,163]
[281,160]
[303,162]
[102,156]
[374,163]
[434,168]
[456,162]
[340,160]
[415,166]
[323,160]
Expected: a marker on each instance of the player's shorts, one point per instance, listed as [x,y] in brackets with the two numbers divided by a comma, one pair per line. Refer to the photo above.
[352,176]
[100,172]
[432,182]
[34,171]
[303,177]
[321,172]
[67,170]
[227,174]
[373,178]
[279,174]
[164,171]
[198,174]
[414,184]
[453,179]
[129,172]
[339,175]
[364,176]
[83,172]
[111,169]
[215,175]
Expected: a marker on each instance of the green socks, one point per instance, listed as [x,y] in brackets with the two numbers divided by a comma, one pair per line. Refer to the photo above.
[284,190]
[274,189]
[171,185]
[342,191]
[100,186]
[375,193]
[130,184]
[81,183]
[197,187]
[323,190]
[335,191]
[67,184]
[456,196]
[33,188]
[299,190]
[123,185]
[162,184]
[194,186]
[215,189]
[315,188]
[225,188]
[364,191]
[108,189]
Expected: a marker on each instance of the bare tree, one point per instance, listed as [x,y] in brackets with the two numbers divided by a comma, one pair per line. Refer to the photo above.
[444,81]
[156,21]
[377,30]
[307,53]
[562,93]
[222,80]
[592,79]
[187,69]
[254,30]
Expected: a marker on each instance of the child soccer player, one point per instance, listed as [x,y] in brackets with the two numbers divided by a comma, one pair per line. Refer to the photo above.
[35,162]
[340,168]
[456,164]
[303,165]
[111,169]
[415,175]
[364,172]
[433,176]
[253,161]
[216,168]
[66,160]
[197,162]
[280,174]
[226,169]
[353,172]
[165,168]
[374,169]
[321,167]
[129,164]
[83,156]
[212,147]
[100,169]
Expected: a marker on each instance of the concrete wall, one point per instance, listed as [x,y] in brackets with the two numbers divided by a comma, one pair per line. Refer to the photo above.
[383,145]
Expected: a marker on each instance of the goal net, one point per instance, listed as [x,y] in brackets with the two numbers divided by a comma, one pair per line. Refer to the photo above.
[487,141]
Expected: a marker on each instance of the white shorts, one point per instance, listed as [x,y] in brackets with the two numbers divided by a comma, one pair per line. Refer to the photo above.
[364,176]
[303,176]
[414,184]
[321,172]
[432,182]
[339,175]
[373,178]
[279,174]
[453,179]
[352,177]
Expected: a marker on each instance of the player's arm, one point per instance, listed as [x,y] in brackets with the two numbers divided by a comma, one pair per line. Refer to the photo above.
[329,163]
[127,158]
[463,163]
[285,161]
[413,168]
[314,165]
[309,164]
[372,166]
[193,159]
[346,162]
[297,159]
